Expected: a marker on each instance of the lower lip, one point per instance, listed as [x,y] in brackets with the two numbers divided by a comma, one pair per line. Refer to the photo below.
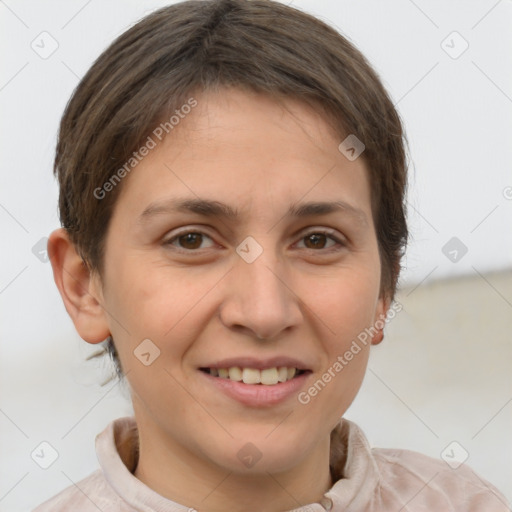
[258,395]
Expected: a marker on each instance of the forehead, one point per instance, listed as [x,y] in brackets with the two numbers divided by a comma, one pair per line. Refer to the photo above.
[245,148]
[249,120]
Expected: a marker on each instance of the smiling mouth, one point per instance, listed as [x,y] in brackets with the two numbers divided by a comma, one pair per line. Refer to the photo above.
[266,377]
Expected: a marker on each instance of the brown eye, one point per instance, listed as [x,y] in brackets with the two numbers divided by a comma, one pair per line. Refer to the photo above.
[189,241]
[315,240]
[321,240]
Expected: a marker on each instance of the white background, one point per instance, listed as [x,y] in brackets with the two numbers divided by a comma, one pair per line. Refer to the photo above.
[457,113]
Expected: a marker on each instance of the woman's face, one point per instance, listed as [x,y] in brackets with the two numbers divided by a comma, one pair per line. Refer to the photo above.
[262,274]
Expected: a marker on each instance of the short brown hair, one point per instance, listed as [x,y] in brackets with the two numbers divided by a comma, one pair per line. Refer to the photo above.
[199,45]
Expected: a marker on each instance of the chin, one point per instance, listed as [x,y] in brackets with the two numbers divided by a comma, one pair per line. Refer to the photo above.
[262,454]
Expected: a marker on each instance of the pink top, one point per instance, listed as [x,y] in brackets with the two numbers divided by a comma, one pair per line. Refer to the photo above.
[366,480]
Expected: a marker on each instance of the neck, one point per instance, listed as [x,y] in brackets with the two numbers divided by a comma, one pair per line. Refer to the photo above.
[185,477]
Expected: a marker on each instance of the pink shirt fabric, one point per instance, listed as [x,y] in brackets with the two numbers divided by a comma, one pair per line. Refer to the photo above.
[366,480]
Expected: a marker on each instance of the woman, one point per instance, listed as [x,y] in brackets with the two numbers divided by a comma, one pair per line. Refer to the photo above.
[232,177]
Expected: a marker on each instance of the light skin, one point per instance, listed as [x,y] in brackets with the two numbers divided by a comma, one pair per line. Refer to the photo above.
[198,301]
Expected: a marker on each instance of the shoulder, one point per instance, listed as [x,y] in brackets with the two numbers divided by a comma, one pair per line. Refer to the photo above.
[433,481]
[88,495]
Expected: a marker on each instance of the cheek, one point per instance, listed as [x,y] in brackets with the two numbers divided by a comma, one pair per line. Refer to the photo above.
[347,301]
[160,304]
[347,307]
[347,311]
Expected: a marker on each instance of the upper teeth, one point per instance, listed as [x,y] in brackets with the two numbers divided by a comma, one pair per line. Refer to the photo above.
[269,376]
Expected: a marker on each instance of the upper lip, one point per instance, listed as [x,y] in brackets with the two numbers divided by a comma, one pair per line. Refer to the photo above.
[258,364]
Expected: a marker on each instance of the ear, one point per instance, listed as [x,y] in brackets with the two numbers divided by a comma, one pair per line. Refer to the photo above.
[80,291]
[380,318]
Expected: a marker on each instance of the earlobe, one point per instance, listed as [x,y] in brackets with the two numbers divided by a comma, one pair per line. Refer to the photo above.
[378,337]
[76,286]
[380,319]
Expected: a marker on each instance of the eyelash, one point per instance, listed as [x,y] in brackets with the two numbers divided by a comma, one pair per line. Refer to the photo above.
[329,233]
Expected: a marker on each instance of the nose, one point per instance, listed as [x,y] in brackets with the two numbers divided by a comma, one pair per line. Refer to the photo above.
[260,299]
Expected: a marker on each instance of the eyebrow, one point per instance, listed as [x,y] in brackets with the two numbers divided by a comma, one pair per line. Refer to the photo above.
[210,208]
